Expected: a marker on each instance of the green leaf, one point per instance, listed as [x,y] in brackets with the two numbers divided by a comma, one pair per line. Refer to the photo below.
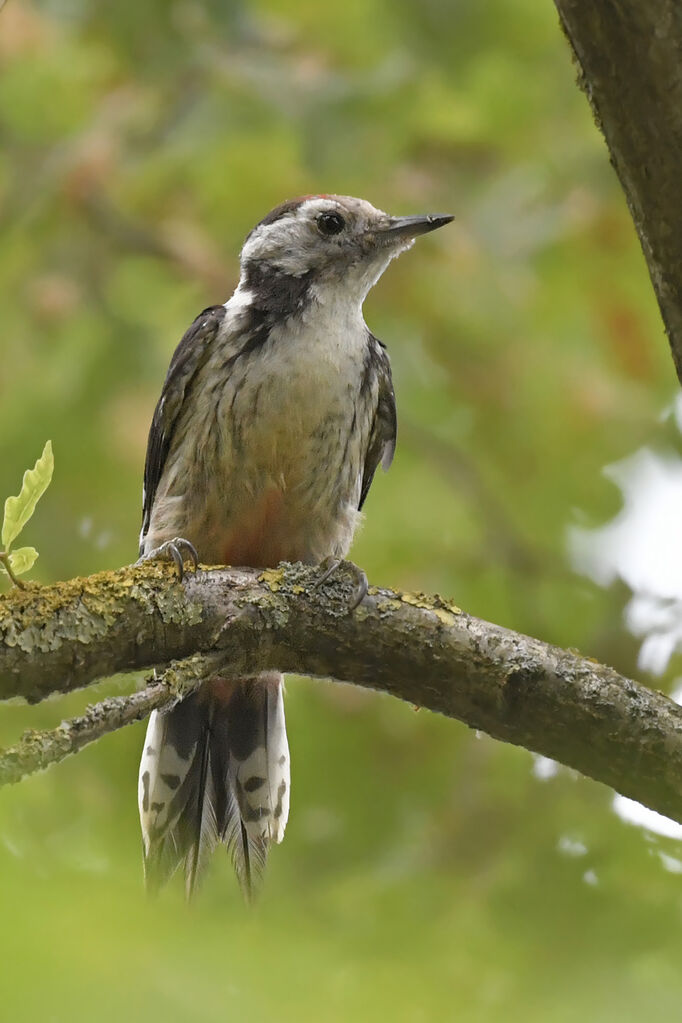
[18,510]
[23,559]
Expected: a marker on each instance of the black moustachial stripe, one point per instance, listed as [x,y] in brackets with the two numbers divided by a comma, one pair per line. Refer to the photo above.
[275,296]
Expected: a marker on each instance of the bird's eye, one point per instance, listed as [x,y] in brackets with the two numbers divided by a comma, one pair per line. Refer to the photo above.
[330,223]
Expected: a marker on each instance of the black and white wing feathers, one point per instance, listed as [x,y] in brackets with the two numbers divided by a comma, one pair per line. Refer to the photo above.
[188,358]
[382,439]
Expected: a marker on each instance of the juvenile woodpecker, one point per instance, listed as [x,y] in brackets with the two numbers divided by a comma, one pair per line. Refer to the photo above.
[275,413]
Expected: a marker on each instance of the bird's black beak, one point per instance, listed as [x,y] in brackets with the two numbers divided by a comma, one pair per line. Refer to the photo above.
[411,227]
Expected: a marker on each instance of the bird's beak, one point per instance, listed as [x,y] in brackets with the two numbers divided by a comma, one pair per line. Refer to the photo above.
[411,227]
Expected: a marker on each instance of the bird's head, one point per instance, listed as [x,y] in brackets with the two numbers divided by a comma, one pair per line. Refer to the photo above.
[334,239]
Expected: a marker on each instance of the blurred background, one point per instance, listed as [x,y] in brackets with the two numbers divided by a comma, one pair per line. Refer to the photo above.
[428,872]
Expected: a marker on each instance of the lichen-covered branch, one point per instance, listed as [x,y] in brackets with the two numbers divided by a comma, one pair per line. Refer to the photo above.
[37,750]
[421,649]
[630,57]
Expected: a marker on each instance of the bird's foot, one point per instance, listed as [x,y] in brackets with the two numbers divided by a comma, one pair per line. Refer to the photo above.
[177,550]
[360,585]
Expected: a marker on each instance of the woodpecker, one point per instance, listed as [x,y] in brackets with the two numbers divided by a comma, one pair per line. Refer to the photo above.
[276,411]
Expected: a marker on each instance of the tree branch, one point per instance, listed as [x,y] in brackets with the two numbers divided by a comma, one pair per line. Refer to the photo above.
[37,750]
[630,57]
[421,649]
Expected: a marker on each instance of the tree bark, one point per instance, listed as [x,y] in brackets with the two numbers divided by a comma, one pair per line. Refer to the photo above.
[37,750]
[629,53]
[421,649]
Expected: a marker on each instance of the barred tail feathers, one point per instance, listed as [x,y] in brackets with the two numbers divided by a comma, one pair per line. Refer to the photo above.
[215,769]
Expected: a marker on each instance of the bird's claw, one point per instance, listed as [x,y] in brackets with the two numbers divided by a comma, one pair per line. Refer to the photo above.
[177,550]
[327,568]
[361,588]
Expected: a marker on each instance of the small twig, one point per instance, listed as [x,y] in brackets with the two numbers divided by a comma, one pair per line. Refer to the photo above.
[4,556]
[37,750]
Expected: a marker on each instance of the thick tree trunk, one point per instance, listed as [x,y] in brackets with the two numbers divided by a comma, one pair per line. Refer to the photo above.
[630,57]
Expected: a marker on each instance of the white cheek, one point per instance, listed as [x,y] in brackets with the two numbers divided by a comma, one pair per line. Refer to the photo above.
[255,244]
[288,245]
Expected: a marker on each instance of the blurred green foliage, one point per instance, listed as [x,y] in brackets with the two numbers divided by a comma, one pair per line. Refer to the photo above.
[427,873]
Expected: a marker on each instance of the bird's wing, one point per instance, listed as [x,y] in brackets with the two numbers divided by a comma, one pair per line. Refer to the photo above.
[188,358]
[383,434]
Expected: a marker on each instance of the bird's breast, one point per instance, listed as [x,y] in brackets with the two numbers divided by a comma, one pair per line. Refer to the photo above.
[292,435]
[293,399]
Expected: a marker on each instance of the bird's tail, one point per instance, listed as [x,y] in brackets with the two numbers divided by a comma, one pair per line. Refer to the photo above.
[215,768]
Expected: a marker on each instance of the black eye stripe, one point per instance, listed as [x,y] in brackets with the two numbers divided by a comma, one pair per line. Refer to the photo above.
[330,223]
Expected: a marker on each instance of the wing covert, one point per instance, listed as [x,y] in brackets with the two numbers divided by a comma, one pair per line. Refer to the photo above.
[382,438]
[188,357]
